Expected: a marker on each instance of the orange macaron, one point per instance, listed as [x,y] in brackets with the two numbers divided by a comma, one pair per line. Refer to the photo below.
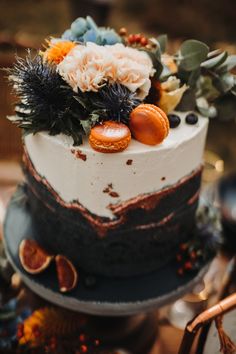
[109,137]
[149,124]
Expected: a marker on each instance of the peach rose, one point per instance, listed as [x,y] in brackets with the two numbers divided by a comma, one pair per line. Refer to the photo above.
[134,69]
[87,67]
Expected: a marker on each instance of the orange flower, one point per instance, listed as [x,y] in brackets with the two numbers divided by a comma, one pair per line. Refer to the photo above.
[57,51]
[47,322]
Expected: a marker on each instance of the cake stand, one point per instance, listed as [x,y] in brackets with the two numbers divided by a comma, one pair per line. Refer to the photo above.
[109,296]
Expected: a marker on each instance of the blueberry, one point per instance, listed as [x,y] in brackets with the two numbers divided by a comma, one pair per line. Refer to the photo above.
[174,120]
[191,118]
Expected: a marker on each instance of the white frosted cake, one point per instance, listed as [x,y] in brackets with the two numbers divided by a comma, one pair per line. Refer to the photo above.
[115,129]
[81,174]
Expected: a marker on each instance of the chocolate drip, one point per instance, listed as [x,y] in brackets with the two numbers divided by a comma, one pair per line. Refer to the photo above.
[121,211]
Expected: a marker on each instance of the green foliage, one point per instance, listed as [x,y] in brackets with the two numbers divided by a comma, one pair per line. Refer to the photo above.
[163,40]
[191,54]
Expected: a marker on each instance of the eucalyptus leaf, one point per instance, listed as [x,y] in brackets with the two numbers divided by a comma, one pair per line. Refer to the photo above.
[193,77]
[214,62]
[192,53]
[205,109]
[228,65]
[224,83]
[213,53]
[162,40]
[207,89]
[156,61]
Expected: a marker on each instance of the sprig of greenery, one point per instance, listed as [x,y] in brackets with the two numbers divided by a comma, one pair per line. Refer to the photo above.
[207,74]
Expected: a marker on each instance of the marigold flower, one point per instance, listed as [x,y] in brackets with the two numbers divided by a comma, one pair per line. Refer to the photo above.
[57,51]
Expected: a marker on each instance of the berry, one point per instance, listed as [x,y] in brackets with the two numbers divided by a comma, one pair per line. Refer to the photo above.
[183,246]
[84,348]
[143,41]
[123,31]
[193,255]
[174,120]
[137,37]
[188,265]
[96,342]
[131,38]
[179,257]
[180,271]
[191,118]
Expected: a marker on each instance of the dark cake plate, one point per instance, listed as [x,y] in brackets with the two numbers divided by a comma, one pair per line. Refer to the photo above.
[108,296]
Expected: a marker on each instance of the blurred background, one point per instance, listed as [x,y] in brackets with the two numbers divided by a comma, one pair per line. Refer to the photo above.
[26,23]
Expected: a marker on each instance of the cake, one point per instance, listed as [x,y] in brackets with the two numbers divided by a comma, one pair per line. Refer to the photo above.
[115,131]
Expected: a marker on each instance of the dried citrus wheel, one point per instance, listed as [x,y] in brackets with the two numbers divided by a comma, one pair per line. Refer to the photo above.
[66,274]
[33,258]
[149,124]
[110,136]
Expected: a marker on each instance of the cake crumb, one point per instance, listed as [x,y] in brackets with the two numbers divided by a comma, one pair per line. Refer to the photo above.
[79,155]
[163,179]
[109,190]
[113,194]
[129,162]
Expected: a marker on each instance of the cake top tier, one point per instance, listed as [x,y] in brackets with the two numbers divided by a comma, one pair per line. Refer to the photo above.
[114,86]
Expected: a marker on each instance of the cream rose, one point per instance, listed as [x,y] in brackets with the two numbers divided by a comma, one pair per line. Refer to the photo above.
[134,69]
[87,67]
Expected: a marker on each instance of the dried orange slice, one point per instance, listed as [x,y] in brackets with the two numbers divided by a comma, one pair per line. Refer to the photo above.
[149,124]
[66,274]
[33,258]
[110,137]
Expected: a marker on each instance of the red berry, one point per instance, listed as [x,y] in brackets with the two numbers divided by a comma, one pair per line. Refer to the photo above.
[183,246]
[53,346]
[96,342]
[137,37]
[179,257]
[82,337]
[143,41]
[131,38]
[188,265]
[84,348]
[193,255]
[36,331]
[20,333]
[180,271]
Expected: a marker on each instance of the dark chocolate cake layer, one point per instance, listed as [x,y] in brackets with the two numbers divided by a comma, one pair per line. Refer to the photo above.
[144,235]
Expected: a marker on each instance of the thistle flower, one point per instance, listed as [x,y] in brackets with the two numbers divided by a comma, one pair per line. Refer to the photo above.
[47,102]
[115,102]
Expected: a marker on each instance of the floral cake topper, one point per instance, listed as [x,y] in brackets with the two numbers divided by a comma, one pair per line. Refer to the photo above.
[93,74]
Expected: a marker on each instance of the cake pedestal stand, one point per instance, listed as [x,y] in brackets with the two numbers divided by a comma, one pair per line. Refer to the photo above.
[116,300]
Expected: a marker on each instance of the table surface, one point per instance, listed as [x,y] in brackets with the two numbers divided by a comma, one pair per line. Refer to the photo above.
[10,175]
